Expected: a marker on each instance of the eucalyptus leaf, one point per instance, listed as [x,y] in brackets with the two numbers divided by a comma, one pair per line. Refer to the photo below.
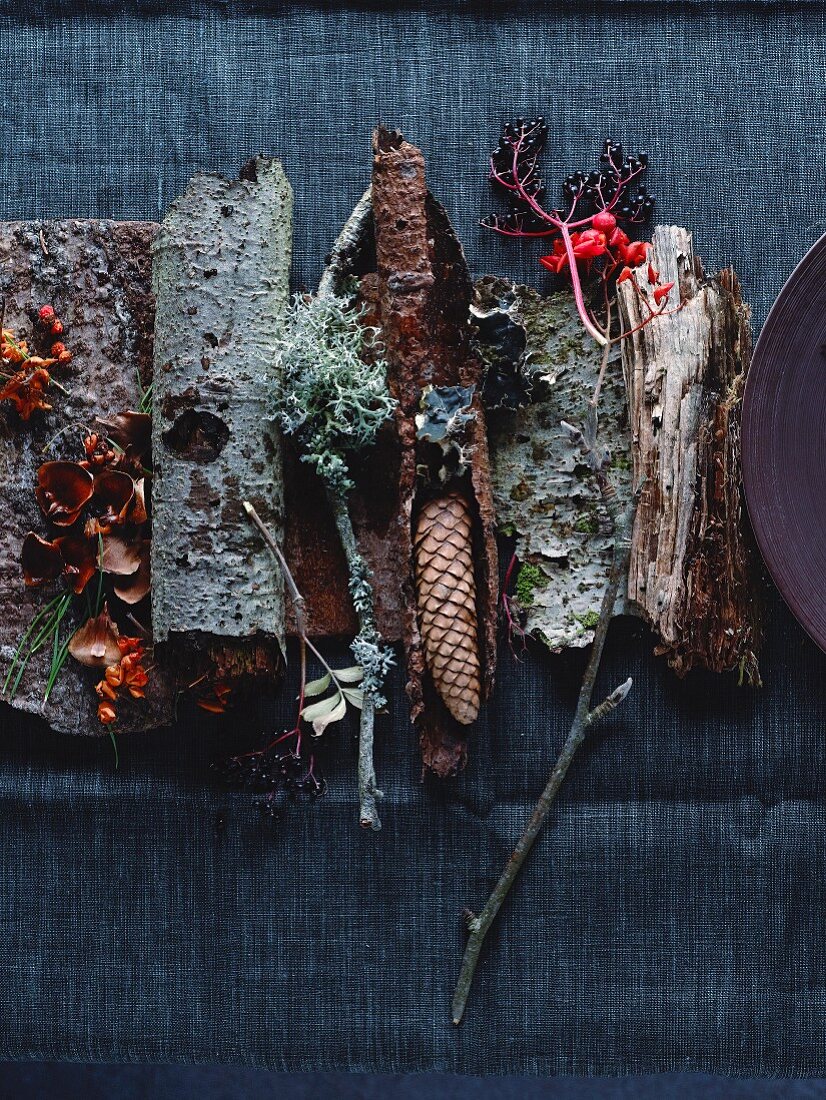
[352,675]
[317,687]
[321,708]
[335,715]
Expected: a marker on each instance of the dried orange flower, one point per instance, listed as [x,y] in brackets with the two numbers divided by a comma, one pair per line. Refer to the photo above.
[127,673]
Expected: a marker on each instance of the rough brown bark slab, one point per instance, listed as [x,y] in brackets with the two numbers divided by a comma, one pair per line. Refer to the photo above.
[693,569]
[221,277]
[97,275]
[423,292]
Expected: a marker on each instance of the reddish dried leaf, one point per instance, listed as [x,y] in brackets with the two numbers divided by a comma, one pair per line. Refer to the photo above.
[132,431]
[138,513]
[120,555]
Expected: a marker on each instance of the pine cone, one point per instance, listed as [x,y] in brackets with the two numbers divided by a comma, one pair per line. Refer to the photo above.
[446,598]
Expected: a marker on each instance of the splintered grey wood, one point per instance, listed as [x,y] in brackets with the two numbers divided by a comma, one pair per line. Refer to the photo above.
[97,275]
[545,493]
[221,276]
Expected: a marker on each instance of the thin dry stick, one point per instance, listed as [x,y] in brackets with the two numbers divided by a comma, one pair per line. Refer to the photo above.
[584,719]
[296,598]
[369,792]
[339,264]
[347,246]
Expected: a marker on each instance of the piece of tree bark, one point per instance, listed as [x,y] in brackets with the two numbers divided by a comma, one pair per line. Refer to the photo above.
[693,571]
[546,497]
[221,278]
[97,275]
[422,295]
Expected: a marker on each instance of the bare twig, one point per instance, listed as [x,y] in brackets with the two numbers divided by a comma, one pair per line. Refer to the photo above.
[584,718]
[296,598]
[339,264]
[347,246]
[369,793]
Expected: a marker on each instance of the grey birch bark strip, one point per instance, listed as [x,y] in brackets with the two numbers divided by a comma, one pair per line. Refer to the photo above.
[221,275]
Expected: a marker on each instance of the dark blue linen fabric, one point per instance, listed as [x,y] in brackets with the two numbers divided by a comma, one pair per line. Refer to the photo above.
[671,916]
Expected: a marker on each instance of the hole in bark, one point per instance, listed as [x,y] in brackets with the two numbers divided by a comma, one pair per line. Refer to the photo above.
[198,436]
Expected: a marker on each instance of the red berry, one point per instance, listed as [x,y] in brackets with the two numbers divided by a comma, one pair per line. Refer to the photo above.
[46,315]
[64,357]
[57,327]
[604,221]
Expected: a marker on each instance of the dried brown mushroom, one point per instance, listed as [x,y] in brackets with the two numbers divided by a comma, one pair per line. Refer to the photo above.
[63,488]
[95,644]
[41,560]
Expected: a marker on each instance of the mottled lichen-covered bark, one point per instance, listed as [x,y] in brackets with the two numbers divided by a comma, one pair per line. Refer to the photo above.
[221,276]
[546,496]
[423,292]
[97,275]
[693,568]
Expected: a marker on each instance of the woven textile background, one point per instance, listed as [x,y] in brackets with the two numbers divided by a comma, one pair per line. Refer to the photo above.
[672,914]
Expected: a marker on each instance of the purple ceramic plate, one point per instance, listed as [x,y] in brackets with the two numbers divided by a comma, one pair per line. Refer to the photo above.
[784,442]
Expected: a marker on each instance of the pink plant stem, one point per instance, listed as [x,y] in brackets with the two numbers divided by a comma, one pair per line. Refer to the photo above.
[590,327]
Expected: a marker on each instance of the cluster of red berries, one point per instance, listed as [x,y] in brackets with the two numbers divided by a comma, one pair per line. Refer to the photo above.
[588,233]
[50,324]
[25,387]
[128,675]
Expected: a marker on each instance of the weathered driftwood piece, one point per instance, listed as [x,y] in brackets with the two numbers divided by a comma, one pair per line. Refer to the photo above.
[221,277]
[546,496]
[692,568]
[97,275]
[422,295]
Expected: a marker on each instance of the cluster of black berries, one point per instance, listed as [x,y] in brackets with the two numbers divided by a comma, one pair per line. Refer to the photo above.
[619,174]
[618,178]
[528,140]
[525,138]
[277,767]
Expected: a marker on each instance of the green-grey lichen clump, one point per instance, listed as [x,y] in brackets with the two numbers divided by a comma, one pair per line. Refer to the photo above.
[335,396]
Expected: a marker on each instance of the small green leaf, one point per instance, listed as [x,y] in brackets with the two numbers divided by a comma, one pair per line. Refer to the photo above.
[317,687]
[352,675]
[324,706]
[354,696]
[335,715]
